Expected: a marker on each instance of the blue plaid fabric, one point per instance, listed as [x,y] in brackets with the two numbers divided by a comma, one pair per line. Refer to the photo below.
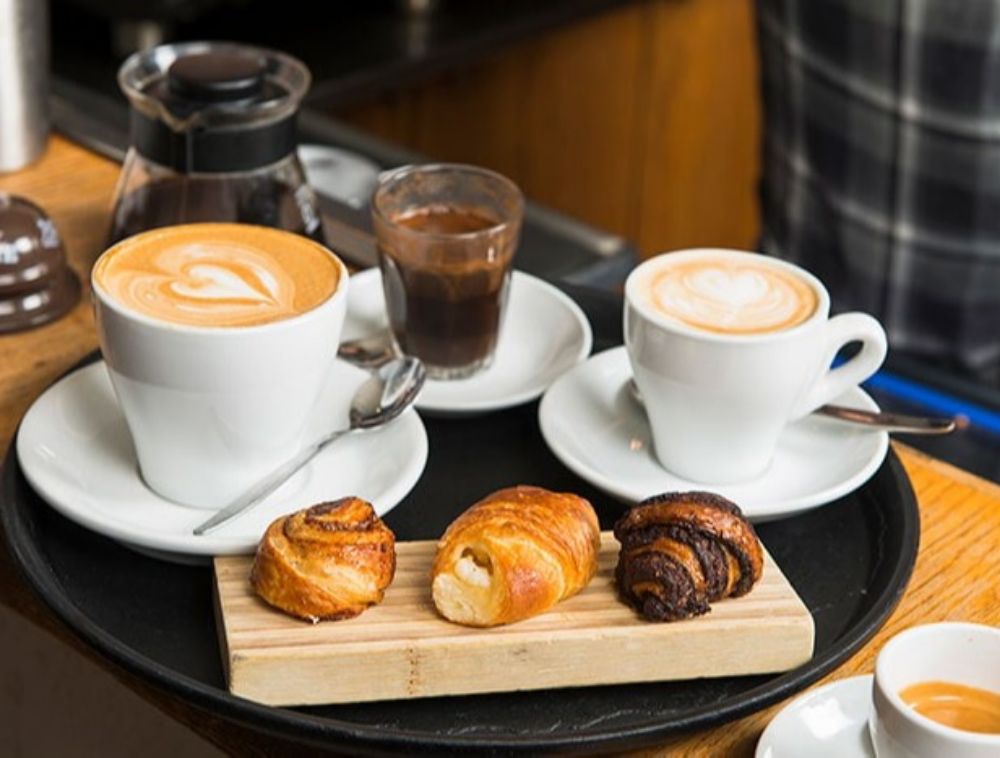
[882,164]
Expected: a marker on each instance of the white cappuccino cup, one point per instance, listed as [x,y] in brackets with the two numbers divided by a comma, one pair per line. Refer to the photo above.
[729,347]
[218,339]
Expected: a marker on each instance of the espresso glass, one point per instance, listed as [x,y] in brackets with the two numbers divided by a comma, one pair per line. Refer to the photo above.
[446,235]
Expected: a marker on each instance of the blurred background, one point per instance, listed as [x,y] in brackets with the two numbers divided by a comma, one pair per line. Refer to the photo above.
[640,118]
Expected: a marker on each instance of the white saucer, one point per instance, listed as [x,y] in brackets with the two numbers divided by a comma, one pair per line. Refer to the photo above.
[544,335]
[76,452]
[828,722]
[593,426]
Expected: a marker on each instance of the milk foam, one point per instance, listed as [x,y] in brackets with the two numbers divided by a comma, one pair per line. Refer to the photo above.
[210,278]
[729,296]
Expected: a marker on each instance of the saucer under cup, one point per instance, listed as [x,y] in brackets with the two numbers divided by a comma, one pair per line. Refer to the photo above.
[827,722]
[76,452]
[544,334]
[591,422]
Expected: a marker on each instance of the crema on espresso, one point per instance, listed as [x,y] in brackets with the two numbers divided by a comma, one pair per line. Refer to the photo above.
[727,295]
[218,275]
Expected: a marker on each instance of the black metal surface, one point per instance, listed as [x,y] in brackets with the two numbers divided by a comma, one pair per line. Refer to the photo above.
[354,50]
[850,561]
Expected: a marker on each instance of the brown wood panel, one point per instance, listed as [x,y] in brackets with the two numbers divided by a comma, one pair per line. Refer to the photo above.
[470,115]
[700,144]
[391,117]
[580,118]
[643,121]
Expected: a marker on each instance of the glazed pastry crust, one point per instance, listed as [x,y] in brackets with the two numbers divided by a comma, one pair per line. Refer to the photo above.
[330,561]
[683,551]
[514,554]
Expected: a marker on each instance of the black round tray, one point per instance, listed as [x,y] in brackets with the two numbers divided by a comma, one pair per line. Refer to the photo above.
[850,562]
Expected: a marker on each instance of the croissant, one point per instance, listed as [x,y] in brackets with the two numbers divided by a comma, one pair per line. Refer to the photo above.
[682,551]
[330,561]
[514,554]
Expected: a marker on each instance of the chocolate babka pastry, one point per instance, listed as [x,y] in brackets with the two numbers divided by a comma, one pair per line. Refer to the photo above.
[683,550]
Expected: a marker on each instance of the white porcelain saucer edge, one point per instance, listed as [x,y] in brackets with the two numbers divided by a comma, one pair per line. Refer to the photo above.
[847,723]
[184,547]
[757,512]
[464,406]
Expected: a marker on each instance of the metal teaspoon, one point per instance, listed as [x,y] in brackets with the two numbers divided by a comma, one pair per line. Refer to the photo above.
[890,422]
[387,393]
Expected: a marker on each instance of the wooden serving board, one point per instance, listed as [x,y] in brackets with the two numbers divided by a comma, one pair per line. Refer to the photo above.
[404,649]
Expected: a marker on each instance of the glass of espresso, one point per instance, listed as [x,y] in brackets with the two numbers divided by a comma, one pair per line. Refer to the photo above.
[446,234]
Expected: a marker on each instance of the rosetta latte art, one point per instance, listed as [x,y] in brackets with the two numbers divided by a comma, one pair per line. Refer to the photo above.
[731,297]
[206,284]
[217,278]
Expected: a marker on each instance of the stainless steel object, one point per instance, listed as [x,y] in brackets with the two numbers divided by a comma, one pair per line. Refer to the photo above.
[24,81]
[891,422]
[390,391]
[368,352]
[887,422]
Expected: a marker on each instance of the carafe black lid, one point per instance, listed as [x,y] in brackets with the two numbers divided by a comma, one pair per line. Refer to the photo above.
[213,107]
[217,77]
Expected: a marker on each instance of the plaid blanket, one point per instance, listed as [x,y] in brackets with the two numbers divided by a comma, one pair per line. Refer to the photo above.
[882,164]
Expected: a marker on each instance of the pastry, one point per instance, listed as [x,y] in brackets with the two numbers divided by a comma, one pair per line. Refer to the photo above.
[514,554]
[330,561]
[683,550]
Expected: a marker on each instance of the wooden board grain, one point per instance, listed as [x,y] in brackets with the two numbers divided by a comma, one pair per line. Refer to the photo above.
[403,649]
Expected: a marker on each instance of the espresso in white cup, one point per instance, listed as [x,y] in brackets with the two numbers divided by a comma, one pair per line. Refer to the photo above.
[218,339]
[949,653]
[727,348]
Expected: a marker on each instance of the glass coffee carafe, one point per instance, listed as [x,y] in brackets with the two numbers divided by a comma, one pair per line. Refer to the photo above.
[213,139]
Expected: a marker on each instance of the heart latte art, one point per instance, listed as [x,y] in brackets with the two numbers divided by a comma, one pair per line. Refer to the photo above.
[217,275]
[729,296]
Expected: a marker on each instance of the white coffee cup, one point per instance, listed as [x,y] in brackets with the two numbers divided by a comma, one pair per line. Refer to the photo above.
[958,653]
[211,410]
[716,401]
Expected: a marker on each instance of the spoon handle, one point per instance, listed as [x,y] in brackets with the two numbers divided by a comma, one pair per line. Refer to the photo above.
[267,485]
[890,422]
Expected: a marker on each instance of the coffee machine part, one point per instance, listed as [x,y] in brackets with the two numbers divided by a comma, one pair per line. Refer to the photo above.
[36,285]
[213,139]
[24,81]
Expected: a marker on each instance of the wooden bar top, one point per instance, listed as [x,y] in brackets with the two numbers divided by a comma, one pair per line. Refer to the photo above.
[956,575]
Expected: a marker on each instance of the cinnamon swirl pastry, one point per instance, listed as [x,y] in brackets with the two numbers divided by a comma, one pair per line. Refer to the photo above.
[514,554]
[682,551]
[330,561]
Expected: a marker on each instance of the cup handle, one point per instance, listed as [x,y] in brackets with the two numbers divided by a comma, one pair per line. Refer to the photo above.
[840,330]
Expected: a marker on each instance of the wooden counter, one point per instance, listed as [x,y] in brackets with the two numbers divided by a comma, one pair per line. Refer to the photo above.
[956,575]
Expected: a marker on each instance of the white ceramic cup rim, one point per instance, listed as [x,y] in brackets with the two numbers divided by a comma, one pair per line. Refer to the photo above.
[918,719]
[665,322]
[291,322]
